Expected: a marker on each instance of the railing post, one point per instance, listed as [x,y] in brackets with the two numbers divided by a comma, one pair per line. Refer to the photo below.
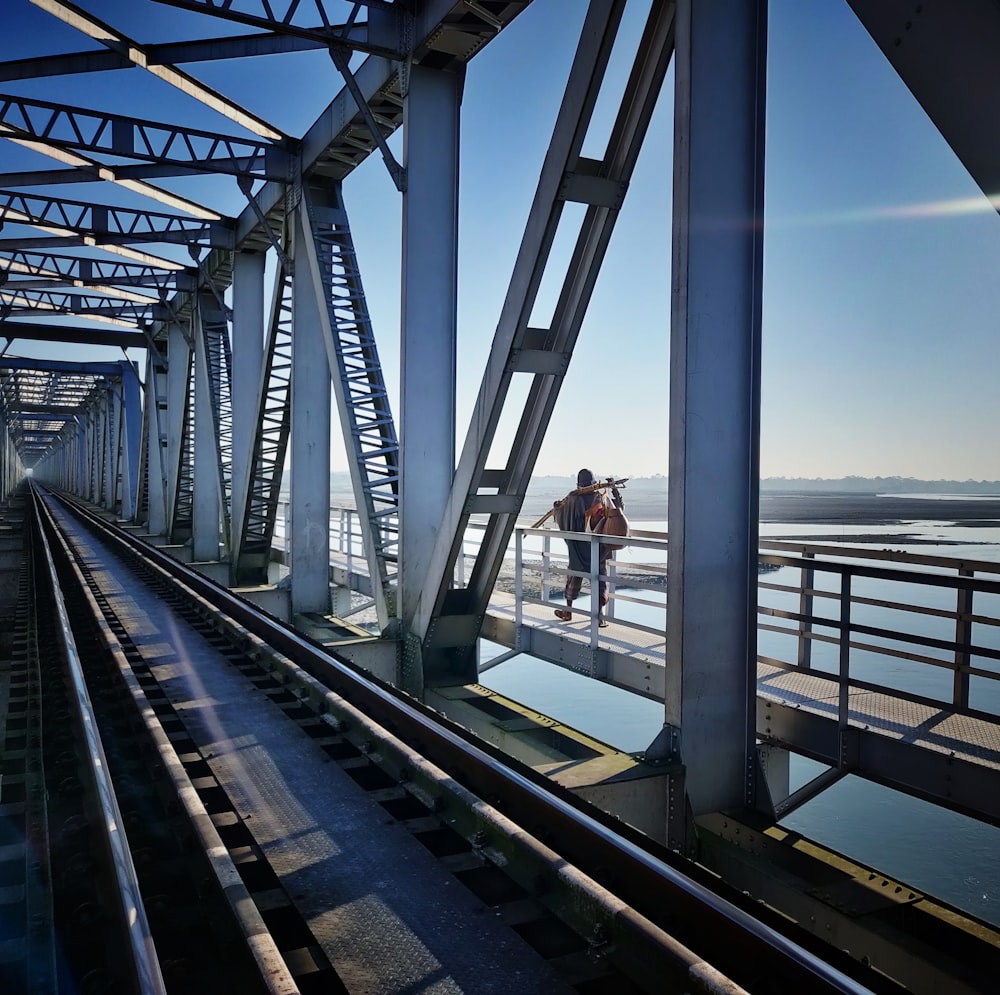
[595,601]
[611,587]
[963,641]
[347,521]
[518,585]
[807,579]
[845,664]
[546,564]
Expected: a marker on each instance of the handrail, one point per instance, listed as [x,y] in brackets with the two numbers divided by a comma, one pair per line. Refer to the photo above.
[955,633]
[968,641]
[551,571]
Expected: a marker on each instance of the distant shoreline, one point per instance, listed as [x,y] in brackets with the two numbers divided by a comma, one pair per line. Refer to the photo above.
[872,509]
[803,508]
[835,509]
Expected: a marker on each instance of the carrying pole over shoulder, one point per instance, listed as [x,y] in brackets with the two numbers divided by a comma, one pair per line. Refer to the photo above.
[589,489]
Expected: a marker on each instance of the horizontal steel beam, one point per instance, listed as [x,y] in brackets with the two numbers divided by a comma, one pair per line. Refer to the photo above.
[38,270]
[15,297]
[63,126]
[204,50]
[353,35]
[61,365]
[25,410]
[939,777]
[64,333]
[91,173]
[100,31]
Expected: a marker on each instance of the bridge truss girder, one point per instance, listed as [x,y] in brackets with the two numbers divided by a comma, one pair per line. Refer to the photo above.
[51,126]
[50,271]
[77,425]
[449,617]
[328,261]
[380,35]
[258,495]
[214,354]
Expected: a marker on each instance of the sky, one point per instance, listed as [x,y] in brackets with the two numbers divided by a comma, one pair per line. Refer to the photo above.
[880,345]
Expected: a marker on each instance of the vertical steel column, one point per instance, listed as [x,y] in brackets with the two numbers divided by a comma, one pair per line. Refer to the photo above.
[312,394]
[109,447]
[205,532]
[429,317]
[81,456]
[113,453]
[327,250]
[248,356]
[178,382]
[251,548]
[86,490]
[10,463]
[96,435]
[70,447]
[156,490]
[714,394]
[131,402]
[93,494]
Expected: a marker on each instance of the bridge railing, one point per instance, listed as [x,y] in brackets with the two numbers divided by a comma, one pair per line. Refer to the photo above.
[636,577]
[347,540]
[922,628]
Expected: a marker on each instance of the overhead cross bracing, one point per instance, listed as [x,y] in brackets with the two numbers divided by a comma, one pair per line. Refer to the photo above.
[16,302]
[45,125]
[47,405]
[126,151]
[47,270]
[83,223]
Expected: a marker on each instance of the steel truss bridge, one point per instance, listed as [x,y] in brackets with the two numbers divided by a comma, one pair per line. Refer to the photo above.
[191,446]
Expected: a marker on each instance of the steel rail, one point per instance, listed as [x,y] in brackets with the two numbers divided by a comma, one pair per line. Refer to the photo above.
[274,973]
[644,879]
[652,955]
[144,966]
[26,665]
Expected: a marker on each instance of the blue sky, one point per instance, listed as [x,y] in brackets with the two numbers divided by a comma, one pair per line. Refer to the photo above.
[880,341]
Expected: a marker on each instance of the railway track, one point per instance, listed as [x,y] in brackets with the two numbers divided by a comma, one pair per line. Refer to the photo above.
[588,905]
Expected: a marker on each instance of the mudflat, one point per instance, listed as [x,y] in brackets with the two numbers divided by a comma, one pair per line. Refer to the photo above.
[872,509]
